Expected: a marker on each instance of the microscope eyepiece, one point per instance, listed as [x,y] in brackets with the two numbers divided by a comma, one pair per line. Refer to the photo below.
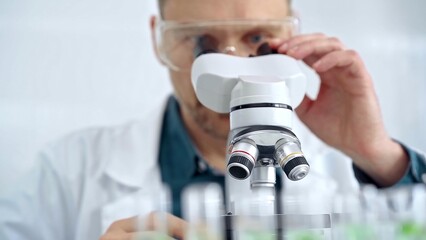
[242,159]
[265,49]
[205,44]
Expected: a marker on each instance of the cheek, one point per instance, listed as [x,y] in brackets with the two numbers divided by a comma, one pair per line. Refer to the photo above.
[183,87]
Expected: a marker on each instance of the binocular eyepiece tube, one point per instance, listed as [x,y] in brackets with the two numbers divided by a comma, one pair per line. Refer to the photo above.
[288,155]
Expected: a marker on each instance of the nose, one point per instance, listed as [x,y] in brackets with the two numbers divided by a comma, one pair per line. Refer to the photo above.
[236,49]
[226,45]
[231,50]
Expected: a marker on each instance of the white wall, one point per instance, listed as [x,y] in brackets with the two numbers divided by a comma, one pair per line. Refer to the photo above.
[65,65]
[390,35]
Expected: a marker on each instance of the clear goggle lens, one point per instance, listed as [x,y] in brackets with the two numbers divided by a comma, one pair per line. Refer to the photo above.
[178,44]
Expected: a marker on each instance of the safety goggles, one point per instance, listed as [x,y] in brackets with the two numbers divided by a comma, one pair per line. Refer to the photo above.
[179,43]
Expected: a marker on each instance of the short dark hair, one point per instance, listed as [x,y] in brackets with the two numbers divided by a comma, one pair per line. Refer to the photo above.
[162,2]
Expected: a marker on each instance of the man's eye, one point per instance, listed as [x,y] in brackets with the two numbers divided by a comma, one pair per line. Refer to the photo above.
[256,38]
[205,44]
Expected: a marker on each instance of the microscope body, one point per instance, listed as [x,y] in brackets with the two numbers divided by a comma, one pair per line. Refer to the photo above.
[260,143]
[260,94]
[261,122]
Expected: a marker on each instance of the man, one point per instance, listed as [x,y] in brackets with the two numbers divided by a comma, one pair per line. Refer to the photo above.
[91,179]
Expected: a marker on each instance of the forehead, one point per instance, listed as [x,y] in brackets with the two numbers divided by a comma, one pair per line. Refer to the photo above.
[199,10]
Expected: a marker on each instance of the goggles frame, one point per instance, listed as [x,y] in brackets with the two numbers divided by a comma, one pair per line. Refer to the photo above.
[165,25]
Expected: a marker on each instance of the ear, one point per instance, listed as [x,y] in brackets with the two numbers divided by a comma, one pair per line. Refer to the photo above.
[153,22]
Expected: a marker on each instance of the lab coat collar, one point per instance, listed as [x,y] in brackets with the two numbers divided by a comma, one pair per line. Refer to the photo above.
[134,151]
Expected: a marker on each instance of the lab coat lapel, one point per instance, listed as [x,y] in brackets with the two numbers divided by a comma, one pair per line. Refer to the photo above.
[134,166]
[134,157]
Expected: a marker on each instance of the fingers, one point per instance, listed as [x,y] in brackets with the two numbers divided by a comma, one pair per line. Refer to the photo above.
[304,46]
[320,52]
[282,45]
[315,47]
[175,226]
[308,48]
[343,58]
[124,225]
[154,223]
[134,236]
[117,236]
[150,235]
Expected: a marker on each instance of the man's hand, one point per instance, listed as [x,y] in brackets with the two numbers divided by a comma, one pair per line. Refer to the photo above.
[346,113]
[127,229]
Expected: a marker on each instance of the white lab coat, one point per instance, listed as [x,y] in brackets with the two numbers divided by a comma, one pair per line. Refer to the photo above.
[94,177]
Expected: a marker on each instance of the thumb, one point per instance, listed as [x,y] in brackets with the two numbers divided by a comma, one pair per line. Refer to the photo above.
[304,107]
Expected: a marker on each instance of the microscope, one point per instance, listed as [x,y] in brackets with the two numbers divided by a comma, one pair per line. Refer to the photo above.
[260,94]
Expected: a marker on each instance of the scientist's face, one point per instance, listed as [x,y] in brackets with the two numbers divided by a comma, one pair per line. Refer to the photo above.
[199,11]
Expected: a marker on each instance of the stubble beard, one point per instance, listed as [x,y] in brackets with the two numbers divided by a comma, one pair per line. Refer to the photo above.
[205,120]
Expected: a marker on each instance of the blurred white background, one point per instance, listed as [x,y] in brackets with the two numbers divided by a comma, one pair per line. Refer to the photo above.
[66,65]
